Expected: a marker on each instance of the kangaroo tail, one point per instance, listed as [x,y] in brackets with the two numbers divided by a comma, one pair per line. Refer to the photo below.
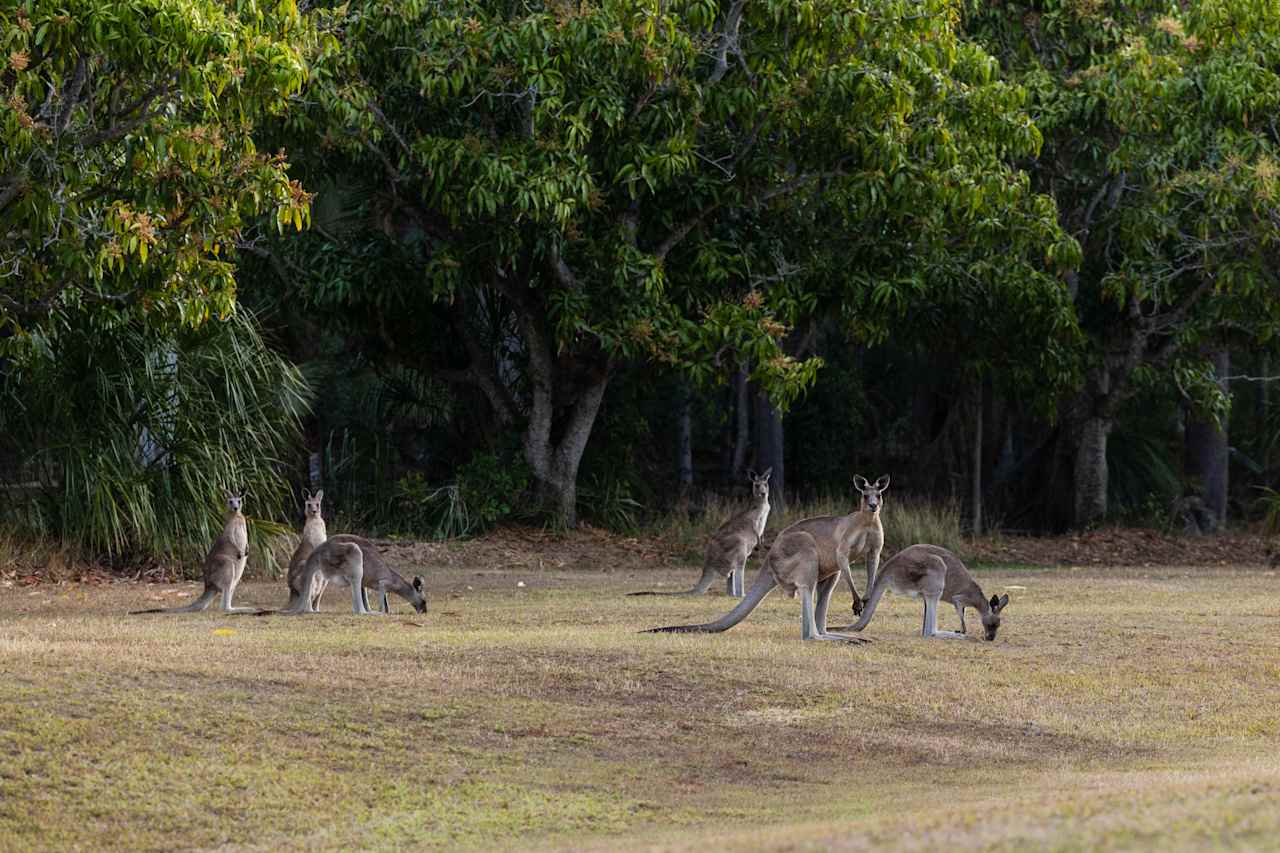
[196,606]
[709,575]
[762,587]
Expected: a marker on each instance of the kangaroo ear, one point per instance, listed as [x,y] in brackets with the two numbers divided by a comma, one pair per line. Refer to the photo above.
[1004,601]
[860,482]
[883,483]
[767,472]
[319,495]
[417,583]
[994,602]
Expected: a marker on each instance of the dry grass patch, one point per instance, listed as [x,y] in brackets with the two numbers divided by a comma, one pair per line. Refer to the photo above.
[1117,709]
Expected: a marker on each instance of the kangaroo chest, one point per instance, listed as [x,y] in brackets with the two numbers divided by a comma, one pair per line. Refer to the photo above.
[762,518]
[238,532]
[314,533]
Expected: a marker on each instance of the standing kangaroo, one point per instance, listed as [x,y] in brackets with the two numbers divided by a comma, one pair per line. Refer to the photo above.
[346,560]
[732,543]
[223,566]
[934,574]
[809,557]
[313,536]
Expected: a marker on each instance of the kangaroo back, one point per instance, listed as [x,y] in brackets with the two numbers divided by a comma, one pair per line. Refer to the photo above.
[910,570]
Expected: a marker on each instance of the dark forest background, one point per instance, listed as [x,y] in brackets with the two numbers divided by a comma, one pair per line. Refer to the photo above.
[470,262]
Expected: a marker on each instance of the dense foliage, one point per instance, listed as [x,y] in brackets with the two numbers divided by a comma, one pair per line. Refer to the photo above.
[556,256]
[128,169]
[135,434]
[570,189]
[1161,151]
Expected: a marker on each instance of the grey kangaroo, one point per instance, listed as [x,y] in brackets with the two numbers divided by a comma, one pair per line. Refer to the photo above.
[313,536]
[346,560]
[809,558]
[224,564]
[732,543]
[934,574]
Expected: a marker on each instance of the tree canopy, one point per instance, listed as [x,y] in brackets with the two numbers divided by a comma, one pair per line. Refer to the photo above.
[128,168]
[685,183]
[1161,151]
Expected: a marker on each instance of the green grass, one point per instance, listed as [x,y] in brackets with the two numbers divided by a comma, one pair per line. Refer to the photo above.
[1118,709]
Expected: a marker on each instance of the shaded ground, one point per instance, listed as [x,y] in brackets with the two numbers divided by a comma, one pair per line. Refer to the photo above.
[527,549]
[1120,708]
[1127,546]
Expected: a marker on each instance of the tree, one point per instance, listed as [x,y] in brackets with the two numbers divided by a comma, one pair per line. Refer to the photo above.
[1162,155]
[590,185]
[127,164]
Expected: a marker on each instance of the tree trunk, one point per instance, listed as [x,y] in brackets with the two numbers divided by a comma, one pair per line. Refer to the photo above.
[684,443]
[1091,470]
[555,464]
[1205,452]
[976,494]
[1264,410]
[769,449]
[742,423]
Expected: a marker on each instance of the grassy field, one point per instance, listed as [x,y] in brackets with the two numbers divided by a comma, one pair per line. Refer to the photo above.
[1117,709]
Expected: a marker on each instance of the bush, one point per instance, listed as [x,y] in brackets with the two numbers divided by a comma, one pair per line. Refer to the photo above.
[128,438]
[488,491]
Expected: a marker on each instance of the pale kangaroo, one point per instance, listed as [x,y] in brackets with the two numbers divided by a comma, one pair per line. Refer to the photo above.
[934,574]
[809,557]
[346,560]
[313,536]
[223,566]
[732,543]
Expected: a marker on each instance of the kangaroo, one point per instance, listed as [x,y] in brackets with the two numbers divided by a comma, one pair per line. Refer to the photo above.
[223,566]
[346,560]
[934,574]
[732,543]
[313,536]
[809,557]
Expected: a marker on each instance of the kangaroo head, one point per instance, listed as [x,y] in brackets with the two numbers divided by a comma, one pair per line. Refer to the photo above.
[872,493]
[420,599]
[311,503]
[234,501]
[991,620]
[760,483]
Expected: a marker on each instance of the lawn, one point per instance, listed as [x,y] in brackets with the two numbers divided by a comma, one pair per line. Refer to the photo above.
[1121,708]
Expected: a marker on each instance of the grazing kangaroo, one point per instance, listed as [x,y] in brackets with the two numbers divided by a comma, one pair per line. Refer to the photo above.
[346,560]
[934,574]
[223,566]
[732,543]
[809,557]
[313,536]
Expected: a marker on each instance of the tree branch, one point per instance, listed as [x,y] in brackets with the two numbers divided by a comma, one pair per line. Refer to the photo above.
[71,94]
[682,230]
[481,371]
[728,42]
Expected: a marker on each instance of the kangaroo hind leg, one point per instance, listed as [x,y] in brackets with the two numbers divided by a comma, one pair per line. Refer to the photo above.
[228,579]
[736,580]
[809,626]
[825,590]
